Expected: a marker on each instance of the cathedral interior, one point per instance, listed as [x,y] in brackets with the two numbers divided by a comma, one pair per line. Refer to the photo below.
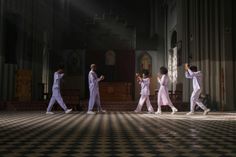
[123,38]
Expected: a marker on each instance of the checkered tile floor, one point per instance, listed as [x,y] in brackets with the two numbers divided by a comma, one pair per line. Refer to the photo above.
[34,134]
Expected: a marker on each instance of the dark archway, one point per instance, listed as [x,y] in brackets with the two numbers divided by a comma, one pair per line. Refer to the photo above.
[173,39]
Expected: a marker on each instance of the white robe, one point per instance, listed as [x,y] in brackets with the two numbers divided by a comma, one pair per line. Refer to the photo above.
[145,83]
[197,83]
[94,91]
[163,93]
[56,93]
[145,92]
[196,77]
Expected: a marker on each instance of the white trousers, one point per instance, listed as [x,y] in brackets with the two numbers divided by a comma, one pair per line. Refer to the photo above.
[94,99]
[195,100]
[142,100]
[56,96]
[170,104]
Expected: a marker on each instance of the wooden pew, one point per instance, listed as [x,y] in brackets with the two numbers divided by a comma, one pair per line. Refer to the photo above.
[115,91]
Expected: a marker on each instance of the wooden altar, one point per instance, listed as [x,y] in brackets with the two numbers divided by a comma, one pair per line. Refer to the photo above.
[115,91]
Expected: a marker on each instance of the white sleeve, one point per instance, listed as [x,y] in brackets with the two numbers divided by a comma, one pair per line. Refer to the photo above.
[191,74]
[162,80]
[60,75]
[187,75]
[93,79]
[146,81]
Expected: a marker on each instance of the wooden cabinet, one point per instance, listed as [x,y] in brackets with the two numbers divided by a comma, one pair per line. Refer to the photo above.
[23,85]
[115,91]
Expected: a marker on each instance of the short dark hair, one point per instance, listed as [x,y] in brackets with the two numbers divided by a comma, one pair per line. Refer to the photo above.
[61,66]
[146,72]
[163,70]
[193,68]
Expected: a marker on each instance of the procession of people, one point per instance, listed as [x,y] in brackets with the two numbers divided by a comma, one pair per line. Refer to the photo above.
[163,98]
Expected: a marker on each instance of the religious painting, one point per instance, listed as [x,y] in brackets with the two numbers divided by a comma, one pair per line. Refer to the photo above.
[110,58]
[109,69]
[145,63]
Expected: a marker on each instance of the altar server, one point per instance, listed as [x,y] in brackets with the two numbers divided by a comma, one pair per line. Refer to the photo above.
[94,90]
[191,72]
[163,93]
[56,93]
[144,81]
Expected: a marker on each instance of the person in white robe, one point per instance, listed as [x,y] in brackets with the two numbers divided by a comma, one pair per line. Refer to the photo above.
[191,72]
[163,93]
[94,98]
[145,92]
[56,93]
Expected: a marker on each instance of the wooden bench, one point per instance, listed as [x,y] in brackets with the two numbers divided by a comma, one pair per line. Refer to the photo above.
[115,91]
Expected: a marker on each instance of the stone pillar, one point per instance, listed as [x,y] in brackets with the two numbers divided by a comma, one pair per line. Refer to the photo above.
[1,48]
[183,36]
[234,47]
[228,56]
